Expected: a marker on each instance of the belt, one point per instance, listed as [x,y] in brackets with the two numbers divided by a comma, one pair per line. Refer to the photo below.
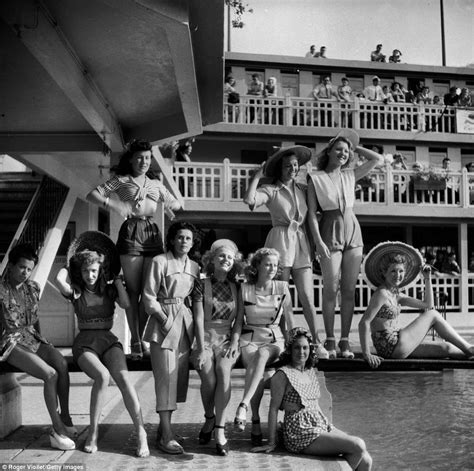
[170,300]
[142,218]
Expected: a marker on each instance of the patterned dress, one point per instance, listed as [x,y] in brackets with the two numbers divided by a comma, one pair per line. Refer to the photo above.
[304,420]
[19,314]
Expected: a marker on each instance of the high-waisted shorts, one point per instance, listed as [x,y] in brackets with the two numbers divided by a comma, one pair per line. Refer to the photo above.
[340,231]
[140,236]
[96,341]
[385,341]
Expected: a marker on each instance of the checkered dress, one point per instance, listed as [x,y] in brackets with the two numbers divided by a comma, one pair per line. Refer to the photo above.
[222,300]
[301,427]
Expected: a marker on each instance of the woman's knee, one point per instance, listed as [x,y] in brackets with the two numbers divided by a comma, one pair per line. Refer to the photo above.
[50,376]
[359,445]
[102,378]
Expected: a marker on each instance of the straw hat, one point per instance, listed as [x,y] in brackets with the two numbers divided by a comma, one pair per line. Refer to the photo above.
[302,153]
[372,263]
[348,134]
[101,243]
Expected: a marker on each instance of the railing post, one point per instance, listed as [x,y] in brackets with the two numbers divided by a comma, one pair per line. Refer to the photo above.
[464,193]
[226,181]
[389,188]
[288,121]
[356,114]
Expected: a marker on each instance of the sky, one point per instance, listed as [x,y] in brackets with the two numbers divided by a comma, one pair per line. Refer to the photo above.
[350,29]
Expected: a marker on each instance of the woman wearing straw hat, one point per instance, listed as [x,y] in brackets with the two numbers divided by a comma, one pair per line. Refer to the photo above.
[223,315]
[390,267]
[139,238]
[337,235]
[286,201]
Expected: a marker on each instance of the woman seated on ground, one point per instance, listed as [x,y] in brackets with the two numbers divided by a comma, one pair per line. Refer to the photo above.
[295,390]
[23,346]
[96,349]
[221,331]
[266,303]
[391,266]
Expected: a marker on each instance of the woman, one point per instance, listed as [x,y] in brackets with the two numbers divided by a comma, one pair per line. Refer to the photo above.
[139,238]
[266,303]
[172,296]
[96,349]
[23,346]
[337,235]
[286,201]
[222,326]
[295,390]
[389,267]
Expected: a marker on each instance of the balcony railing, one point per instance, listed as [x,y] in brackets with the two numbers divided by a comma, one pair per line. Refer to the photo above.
[359,114]
[227,182]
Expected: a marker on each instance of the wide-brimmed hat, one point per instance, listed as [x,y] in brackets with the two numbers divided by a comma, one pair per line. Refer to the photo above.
[302,153]
[372,268]
[101,243]
[345,133]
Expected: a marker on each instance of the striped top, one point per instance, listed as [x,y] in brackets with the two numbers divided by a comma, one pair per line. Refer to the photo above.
[127,189]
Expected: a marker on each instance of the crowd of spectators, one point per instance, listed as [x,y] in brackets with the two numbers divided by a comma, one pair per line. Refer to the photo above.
[379,56]
[313,53]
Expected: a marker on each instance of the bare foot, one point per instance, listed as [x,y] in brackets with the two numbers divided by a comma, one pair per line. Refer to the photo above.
[142,450]
[91,443]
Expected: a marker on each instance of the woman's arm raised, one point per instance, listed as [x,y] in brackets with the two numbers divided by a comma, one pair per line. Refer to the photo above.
[373,159]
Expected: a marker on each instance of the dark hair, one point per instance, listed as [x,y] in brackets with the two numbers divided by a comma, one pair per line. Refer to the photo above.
[389,259]
[324,157]
[236,270]
[279,167]
[86,258]
[124,167]
[293,335]
[173,231]
[251,270]
[25,250]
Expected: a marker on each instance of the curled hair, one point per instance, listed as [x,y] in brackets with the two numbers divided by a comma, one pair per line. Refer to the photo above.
[25,251]
[292,336]
[86,258]
[173,231]
[391,258]
[279,167]
[124,167]
[251,270]
[324,158]
[236,270]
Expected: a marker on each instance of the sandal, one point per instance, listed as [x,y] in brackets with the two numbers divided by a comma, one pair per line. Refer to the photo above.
[330,346]
[205,437]
[136,352]
[222,449]
[239,422]
[345,348]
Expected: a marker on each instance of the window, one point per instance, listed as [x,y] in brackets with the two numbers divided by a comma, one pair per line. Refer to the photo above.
[290,84]
[437,155]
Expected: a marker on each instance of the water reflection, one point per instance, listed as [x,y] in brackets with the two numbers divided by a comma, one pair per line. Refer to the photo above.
[410,421]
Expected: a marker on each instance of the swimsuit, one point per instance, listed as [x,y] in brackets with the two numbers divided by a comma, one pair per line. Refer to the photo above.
[386,340]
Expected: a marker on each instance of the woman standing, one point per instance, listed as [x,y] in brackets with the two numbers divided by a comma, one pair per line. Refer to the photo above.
[266,303]
[286,201]
[222,325]
[139,238]
[23,346]
[172,296]
[337,235]
[389,267]
[295,389]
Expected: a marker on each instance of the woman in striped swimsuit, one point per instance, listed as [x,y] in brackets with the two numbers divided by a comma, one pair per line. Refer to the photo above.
[139,238]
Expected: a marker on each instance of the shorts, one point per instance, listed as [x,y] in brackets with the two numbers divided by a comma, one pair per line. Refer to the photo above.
[96,341]
[385,342]
[139,236]
[215,343]
[252,342]
[340,231]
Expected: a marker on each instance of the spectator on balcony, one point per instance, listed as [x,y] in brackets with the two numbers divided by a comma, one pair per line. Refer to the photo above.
[377,55]
[232,97]
[344,91]
[255,88]
[452,98]
[337,234]
[397,92]
[424,96]
[440,259]
[399,162]
[450,265]
[437,100]
[311,52]
[388,95]
[326,92]
[374,92]
[465,98]
[286,201]
[272,110]
[321,53]
[139,238]
[395,58]
[389,267]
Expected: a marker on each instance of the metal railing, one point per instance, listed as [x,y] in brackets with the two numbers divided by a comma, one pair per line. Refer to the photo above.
[358,114]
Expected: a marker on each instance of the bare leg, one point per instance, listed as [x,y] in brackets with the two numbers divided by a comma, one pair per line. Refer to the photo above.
[208,393]
[114,360]
[412,336]
[223,370]
[337,442]
[331,269]
[96,370]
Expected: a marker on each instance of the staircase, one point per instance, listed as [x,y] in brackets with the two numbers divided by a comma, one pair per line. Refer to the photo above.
[16,192]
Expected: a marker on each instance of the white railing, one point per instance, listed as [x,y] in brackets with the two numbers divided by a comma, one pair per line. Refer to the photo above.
[227,182]
[470,291]
[359,114]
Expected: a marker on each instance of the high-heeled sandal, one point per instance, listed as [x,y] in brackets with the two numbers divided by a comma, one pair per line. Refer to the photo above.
[345,348]
[239,423]
[222,449]
[136,352]
[256,438]
[205,437]
[330,346]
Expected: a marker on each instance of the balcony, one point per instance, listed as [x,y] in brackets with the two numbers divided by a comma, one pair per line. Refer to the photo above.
[221,186]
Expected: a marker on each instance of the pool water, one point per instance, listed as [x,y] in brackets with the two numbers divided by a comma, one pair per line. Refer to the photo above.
[409,421]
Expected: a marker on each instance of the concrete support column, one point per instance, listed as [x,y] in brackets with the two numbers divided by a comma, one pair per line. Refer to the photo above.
[10,404]
[464,261]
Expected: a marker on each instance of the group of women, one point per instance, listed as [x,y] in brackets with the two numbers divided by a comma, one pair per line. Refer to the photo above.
[176,315]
